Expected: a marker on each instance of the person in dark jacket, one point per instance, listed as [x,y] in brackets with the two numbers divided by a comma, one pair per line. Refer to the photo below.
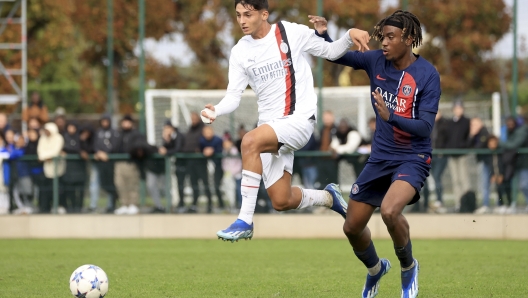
[211,145]
[517,136]
[105,140]
[458,138]
[494,163]
[327,166]
[150,169]
[75,176]
[11,168]
[10,165]
[439,137]
[23,191]
[127,174]
[36,170]
[478,139]
[191,167]
[86,136]
[172,143]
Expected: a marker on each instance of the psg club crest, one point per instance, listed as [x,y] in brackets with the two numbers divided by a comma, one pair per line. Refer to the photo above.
[355,189]
[407,89]
[284,47]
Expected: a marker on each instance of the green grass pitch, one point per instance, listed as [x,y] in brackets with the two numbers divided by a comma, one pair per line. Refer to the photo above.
[258,268]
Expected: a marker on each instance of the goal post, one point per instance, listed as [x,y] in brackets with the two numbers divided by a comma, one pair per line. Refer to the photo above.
[352,103]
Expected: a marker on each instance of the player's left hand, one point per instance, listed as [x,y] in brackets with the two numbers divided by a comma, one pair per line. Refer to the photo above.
[210,116]
[320,23]
[383,111]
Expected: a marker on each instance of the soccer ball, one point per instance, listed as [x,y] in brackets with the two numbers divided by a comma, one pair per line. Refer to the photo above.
[89,281]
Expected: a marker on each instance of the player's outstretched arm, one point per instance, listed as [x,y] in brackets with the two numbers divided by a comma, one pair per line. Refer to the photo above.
[351,58]
[314,45]
[358,36]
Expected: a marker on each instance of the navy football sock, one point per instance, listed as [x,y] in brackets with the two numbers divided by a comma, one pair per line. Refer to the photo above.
[404,254]
[369,257]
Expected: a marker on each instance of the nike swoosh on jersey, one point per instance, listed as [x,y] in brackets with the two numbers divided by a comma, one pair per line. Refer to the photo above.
[380,78]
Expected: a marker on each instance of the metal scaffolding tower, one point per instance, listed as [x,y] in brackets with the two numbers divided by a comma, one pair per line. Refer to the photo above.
[10,20]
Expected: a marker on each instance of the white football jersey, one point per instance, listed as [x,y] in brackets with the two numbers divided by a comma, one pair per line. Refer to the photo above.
[275,68]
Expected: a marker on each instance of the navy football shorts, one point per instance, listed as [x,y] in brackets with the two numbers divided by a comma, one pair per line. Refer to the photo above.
[378,175]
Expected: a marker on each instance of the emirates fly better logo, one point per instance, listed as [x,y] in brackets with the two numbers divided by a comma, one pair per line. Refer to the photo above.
[275,70]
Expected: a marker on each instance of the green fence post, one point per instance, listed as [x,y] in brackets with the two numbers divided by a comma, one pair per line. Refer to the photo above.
[168,184]
[55,185]
[142,192]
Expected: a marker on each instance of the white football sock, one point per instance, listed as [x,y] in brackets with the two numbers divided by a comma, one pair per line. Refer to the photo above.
[374,270]
[314,197]
[249,189]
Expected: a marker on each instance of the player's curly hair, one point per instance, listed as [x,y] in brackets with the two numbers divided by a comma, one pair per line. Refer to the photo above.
[256,4]
[410,25]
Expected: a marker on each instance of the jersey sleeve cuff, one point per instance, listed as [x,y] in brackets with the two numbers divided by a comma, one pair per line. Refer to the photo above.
[348,38]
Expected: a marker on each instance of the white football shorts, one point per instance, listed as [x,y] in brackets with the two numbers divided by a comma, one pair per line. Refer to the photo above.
[293,132]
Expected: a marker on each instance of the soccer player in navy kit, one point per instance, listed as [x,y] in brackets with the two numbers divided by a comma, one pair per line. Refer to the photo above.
[405,95]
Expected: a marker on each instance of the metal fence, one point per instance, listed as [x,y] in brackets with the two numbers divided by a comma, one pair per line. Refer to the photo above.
[346,172]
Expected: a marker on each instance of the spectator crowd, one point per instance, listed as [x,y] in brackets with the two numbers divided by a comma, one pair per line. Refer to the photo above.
[31,161]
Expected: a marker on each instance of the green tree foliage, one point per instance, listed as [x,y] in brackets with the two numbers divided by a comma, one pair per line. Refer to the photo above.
[90,17]
[202,21]
[67,42]
[52,43]
[460,37]
[67,45]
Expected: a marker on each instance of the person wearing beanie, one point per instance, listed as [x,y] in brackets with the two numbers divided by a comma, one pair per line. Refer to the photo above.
[191,168]
[102,172]
[172,143]
[127,174]
[458,138]
[75,175]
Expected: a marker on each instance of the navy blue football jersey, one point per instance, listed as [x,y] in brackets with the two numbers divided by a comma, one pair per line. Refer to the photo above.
[406,92]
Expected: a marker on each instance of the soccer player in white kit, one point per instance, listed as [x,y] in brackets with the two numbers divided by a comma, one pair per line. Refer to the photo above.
[270,59]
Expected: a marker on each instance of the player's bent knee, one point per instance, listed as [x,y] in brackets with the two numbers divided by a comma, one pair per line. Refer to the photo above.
[352,230]
[390,215]
[250,144]
[281,206]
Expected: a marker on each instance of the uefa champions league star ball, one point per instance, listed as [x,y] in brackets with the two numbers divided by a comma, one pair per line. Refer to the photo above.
[89,281]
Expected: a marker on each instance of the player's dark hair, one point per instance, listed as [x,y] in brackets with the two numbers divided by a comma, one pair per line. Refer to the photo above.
[254,4]
[408,22]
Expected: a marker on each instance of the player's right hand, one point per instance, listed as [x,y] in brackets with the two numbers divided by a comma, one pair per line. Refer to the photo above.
[320,23]
[360,38]
[208,118]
